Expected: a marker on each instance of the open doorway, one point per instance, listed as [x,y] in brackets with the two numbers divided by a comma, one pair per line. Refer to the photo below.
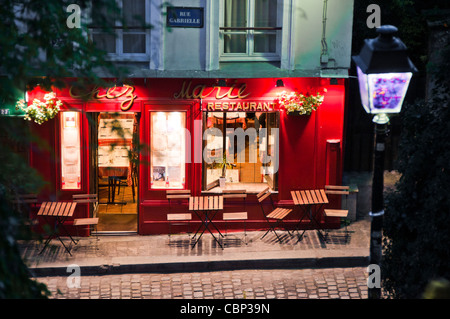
[116,173]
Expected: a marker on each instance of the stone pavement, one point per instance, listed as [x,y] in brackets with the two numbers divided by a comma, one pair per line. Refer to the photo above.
[329,283]
[161,254]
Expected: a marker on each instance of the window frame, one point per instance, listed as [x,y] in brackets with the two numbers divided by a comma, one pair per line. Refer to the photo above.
[119,55]
[250,30]
[274,186]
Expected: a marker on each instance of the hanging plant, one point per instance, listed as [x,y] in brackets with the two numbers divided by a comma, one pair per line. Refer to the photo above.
[40,111]
[303,104]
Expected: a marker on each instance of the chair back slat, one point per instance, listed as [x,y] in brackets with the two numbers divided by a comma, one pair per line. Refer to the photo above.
[337,190]
[234,193]
[178,194]
[260,194]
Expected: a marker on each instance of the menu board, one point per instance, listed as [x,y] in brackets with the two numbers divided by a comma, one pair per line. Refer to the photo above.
[168,150]
[70,151]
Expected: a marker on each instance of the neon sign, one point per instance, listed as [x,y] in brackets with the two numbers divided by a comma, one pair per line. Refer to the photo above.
[202,91]
[111,93]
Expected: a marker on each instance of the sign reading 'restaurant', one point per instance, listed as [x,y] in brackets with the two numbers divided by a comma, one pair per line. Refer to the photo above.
[182,17]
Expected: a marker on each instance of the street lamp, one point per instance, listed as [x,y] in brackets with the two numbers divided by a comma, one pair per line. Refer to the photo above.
[384,72]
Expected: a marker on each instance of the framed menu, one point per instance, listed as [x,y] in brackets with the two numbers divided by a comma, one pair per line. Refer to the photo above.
[70,150]
[168,150]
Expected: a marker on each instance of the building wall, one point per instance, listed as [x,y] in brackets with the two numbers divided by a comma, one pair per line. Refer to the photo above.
[197,49]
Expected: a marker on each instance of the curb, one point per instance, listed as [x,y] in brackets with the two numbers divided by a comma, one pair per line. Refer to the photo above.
[205,266]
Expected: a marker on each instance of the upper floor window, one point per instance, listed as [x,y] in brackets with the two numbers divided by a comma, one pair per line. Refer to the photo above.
[130,42]
[250,30]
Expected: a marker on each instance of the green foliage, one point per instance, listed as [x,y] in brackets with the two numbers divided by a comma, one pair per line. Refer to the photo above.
[407,15]
[38,48]
[417,215]
[15,177]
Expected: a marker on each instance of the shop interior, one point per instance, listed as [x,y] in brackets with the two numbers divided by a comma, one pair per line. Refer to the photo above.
[117,175]
[250,166]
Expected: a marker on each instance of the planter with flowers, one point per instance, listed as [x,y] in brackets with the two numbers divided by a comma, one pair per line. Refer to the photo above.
[296,103]
[40,111]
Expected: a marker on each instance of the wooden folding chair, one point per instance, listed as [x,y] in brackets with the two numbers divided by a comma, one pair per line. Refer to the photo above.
[338,213]
[25,203]
[176,218]
[88,222]
[277,214]
[236,216]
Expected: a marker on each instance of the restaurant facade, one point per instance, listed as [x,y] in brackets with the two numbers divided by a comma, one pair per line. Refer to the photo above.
[201,108]
[154,135]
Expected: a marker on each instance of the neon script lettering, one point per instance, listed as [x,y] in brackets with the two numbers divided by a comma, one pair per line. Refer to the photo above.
[202,91]
[111,93]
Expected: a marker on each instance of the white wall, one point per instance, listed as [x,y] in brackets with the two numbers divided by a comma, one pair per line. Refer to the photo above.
[308,30]
[185,48]
[196,49]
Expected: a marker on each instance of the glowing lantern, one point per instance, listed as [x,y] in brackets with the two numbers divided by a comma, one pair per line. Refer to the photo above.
[384,72]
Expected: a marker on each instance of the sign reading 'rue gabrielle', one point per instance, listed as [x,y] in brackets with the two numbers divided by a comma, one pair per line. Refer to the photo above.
[182,17]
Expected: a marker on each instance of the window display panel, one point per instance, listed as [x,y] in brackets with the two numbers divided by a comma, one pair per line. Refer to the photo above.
[247,156]
[70,151]
[168,142]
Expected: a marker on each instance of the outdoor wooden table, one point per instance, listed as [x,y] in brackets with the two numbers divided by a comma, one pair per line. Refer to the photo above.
[206,207]
[308,200]
[60,211]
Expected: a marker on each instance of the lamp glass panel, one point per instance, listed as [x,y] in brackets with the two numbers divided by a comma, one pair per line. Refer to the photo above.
[363,89]
[387,91]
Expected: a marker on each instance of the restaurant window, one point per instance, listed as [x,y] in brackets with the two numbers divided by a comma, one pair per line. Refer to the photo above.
[246,155]
[168,150]
[250,30]
[130,42]
[70,150]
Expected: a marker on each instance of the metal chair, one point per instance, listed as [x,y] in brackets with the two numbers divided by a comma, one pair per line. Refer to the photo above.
[177,218]
[88,222]
[277,214]
[342,214]
[236,216]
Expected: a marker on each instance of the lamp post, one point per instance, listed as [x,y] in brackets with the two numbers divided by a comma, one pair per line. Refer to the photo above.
[384,72]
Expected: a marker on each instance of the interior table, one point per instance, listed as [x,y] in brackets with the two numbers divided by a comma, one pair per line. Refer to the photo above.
[59,211]
[310,202]
[206,207]
[115,174]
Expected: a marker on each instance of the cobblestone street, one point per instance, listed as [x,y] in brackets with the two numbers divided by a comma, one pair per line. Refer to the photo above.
[330,283]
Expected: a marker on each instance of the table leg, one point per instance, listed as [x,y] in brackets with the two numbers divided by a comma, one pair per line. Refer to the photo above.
[55,235]
[112,182]
[319,228]
[201,234]
[305,211]
[205,224]
[210,222]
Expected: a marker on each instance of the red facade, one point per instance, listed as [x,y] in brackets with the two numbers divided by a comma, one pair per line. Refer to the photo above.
[310,147]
